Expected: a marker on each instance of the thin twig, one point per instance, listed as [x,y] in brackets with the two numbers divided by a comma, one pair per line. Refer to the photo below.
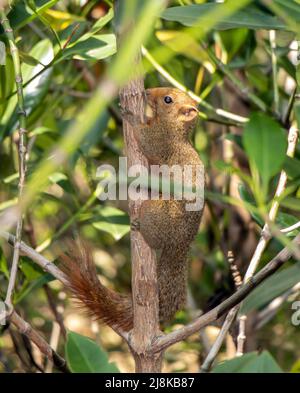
[166,341]
[272,38]
[265,236]
[291,228]
[26,329]
[286,117]
[208,362]
[221,112]
[43,262]
[245,92]
[268,313]
[21,151]
[54,340]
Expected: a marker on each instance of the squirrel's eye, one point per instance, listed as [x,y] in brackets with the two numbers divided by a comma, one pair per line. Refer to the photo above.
[168,100]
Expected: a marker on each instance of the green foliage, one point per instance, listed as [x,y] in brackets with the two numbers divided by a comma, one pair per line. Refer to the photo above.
[271,288]
[265,144]
[85,356]
[250,17]
[249,363]
[72,70]
[113,221]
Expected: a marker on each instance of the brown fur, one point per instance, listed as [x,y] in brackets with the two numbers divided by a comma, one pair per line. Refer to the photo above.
[165,224]
[100,302]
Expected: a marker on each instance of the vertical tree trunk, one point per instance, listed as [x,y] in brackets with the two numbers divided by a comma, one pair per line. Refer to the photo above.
[144,281]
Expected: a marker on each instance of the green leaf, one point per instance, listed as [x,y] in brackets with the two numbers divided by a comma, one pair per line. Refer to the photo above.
[7,82]
[271,288]
[26,58]
[249,363]
[291,203]
[40,131]
[247,197]
[95,47]
[31,270]
[97,26]
[236,139]
[113,221]
[285,220]
[249,17]
[292,167]
[22,14]
[85,356]
[35,91]
[290,8]
[265,144]
[3,265]
[35,284]
[62,180]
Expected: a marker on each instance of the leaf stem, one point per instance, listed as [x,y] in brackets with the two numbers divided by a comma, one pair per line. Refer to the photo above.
[21,149]
[236,81]
[272,38]
[237,119]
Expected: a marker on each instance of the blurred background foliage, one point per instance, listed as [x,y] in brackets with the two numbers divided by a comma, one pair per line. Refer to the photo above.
[239,59]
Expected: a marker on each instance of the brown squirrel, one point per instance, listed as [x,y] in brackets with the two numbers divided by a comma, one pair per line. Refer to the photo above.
[167,226]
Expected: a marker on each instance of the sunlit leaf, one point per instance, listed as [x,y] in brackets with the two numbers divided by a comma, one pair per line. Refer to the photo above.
[35,91]
[265,143]
[94,47]
[249,17]
[113,221]
[21,13]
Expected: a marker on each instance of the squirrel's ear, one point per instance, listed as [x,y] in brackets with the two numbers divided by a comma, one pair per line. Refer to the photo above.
[149,111]
[188,112]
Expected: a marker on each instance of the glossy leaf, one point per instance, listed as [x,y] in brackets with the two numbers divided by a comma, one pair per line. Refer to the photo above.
[34,285]
[265,144]
[250,17]
[85,356]
[94,47]
[21,14]
[113,221]
[271,288]
[35,91]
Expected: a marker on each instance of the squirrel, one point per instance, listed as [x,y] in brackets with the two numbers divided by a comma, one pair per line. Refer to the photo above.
[166,225]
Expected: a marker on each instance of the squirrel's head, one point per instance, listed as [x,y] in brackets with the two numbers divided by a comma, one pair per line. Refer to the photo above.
[171,105]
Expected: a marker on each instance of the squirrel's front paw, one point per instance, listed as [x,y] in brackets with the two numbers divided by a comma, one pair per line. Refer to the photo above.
[135,224]
[129,116]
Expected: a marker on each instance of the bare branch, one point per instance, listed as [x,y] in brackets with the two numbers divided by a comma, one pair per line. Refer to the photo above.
[208,362]
[26,329]
[180,334]
[43,262]
[21,150]
[265,237]
[144,280]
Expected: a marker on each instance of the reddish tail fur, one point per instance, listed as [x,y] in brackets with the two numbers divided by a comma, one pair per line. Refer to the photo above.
[100,302]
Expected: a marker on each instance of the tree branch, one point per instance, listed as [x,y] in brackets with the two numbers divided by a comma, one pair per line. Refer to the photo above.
[43,262]
[144,280]
[26,329]
[164,342]
[21,150]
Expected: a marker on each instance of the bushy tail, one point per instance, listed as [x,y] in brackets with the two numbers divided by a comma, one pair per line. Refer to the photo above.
[100,302]
[172,281]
